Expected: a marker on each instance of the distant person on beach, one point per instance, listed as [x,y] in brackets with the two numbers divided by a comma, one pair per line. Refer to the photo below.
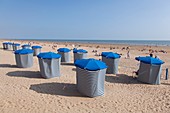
[29,43]
[53,47]
[127,48]
[128,54]
[151,55]
[156,56]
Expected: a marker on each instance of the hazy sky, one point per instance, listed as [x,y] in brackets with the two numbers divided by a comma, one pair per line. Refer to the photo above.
[85,19]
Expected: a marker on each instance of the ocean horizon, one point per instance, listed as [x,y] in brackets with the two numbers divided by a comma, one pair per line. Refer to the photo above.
[128,42]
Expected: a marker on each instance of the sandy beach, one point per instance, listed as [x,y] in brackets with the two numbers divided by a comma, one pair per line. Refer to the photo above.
[22,90]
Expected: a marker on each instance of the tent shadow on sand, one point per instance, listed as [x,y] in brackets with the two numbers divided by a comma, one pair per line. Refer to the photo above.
[63,89]
[68,64]
[7,66]
[122,78]
[165,83]
[27,74]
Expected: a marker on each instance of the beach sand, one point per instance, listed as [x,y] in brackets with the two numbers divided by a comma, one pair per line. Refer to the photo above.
[22,90]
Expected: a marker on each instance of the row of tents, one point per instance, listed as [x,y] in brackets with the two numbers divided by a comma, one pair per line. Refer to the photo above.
[90,73]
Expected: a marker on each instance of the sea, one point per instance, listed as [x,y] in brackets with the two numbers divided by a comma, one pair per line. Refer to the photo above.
[128,42]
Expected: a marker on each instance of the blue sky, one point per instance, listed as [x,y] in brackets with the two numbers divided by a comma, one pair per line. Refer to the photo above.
[85,19]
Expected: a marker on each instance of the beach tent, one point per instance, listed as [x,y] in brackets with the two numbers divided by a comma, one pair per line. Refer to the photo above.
[7,45]
[37,50]
[90,77]
[80,54]
[65,54]
[26,46]
[49,64]
[15,46]
[149,70]
[112,61]
[24,58]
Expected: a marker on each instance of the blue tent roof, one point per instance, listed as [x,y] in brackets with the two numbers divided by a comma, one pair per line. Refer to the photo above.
[49,55]
[26,45]
[90,64]
[7,43]
[16,44]
[150,60]
[110,55]
[79,51]
[24,51]
[63,50]
[36,47]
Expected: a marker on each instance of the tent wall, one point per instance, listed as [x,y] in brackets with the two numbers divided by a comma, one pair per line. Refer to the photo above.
[9,47]
[149,73]
[4,46]
[26,47]
[49,68]
[24,61]
[65,57]
[90,83]
[112,65]
[36,51]
[80,56]
[15,47]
